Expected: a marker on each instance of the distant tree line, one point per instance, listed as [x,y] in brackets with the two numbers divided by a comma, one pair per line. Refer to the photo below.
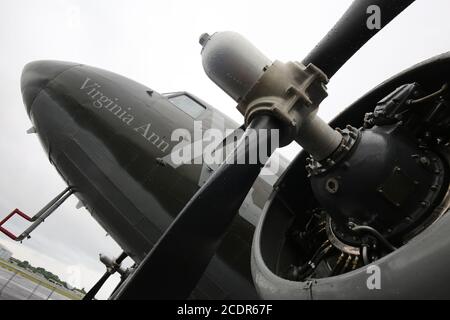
[46,274]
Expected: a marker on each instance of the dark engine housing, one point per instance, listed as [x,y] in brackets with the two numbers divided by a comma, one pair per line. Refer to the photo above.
[390,177]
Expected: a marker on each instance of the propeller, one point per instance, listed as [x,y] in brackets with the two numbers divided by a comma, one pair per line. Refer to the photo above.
[111,268]
[176,263]
[351,32]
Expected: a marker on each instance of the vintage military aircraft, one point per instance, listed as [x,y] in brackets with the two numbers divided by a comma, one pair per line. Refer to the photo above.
[370,189]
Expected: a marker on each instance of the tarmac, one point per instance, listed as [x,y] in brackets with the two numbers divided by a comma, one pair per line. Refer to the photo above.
[15,287]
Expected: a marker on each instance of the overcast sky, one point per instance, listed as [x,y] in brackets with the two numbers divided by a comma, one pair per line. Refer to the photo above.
[156,43]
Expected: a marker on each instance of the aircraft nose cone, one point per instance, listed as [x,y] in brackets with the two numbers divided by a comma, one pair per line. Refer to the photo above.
[37,75]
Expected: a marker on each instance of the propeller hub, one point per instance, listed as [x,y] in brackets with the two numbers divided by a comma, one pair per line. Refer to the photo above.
[290,92]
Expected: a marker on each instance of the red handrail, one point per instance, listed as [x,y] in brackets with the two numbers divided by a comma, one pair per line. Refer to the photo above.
[9,216]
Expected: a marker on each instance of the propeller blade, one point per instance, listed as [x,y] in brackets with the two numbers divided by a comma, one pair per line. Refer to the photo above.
[351,32]
[96,288]
[120,258]
[176,263]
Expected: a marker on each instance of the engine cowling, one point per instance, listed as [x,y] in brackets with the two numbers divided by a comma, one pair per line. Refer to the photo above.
[308,245]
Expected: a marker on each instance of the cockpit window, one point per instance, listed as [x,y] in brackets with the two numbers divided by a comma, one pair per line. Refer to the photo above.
[188,105]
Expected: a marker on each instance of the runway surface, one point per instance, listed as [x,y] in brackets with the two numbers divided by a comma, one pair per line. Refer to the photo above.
[20,288]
